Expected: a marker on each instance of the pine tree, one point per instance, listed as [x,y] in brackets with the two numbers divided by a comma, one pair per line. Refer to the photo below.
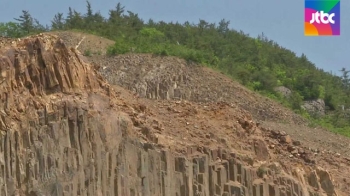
[115,15]
[58,22]
[89,13]
[26,21]
[69,19]
[346,81]
[89,17]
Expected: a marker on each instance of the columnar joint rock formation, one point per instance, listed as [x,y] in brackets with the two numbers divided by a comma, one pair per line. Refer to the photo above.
[61,134]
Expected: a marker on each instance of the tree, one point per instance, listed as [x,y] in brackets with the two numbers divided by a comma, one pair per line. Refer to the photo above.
[295,100]
[69,19]
[37,27]
[151,23]
[30,24]
[223,26]
[74,19]
[11,29]
[89,13]
[58,22]
[134,21]
[202,24]
[115,15]
[26,21]
[89,17]
[345,77]
[98,18]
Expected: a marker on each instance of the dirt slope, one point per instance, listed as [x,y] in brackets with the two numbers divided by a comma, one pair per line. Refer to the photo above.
[85,42]
[172,78]
[209,117]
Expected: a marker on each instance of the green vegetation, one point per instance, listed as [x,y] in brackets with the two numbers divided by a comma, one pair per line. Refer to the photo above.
[87,53]
[258,63]
[262,170]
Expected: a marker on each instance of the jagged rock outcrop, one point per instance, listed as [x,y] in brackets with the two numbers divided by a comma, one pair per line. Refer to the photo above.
[315,107]
[64,131]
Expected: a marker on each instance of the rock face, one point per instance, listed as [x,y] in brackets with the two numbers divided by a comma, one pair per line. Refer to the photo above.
[286,92]
[43,72]
[62,134]
[317,107]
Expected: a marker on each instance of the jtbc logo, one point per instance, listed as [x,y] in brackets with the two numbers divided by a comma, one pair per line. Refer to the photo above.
[317,16]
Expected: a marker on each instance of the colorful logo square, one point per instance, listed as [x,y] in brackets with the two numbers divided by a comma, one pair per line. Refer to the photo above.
[322,18]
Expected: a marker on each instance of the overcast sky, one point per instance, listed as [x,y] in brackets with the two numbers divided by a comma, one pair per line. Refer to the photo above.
[281,21]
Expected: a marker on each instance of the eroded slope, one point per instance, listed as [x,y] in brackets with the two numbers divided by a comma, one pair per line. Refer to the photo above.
[64,131]
[143,73]
[171,78]
[85,43]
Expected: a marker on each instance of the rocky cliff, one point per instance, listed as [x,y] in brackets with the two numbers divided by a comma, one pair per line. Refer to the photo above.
[65,131]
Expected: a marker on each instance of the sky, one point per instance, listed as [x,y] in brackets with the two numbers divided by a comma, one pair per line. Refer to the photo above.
[279,20]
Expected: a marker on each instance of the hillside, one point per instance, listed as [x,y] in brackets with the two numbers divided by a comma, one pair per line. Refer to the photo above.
[164,109]
[72,133]
[180,80]
[170,78]
[259,63]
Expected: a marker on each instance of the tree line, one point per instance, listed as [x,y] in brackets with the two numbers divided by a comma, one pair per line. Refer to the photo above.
[258,63]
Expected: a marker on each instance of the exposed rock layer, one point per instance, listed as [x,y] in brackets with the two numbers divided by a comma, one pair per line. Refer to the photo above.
[71,151]
[63,132]
[315,107]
